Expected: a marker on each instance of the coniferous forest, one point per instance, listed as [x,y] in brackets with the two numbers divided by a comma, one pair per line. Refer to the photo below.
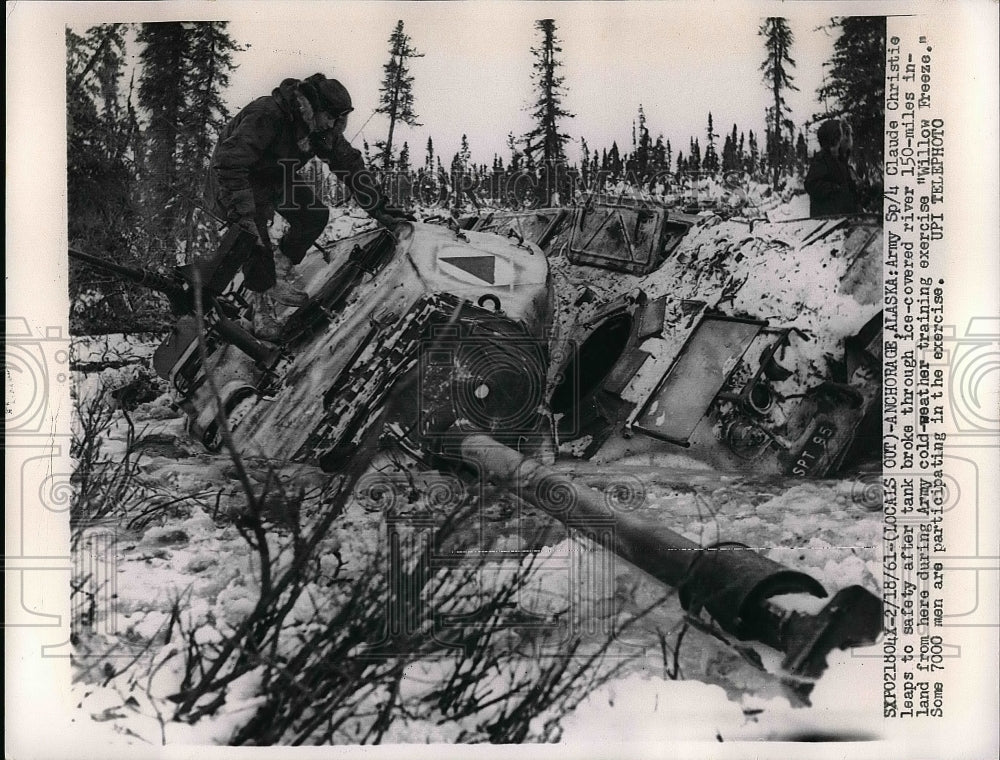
[139,139]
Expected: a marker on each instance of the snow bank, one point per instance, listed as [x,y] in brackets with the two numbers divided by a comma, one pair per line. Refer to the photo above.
[193,555]
[643,709]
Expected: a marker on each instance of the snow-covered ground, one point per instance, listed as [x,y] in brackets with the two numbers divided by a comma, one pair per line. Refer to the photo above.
[178,550]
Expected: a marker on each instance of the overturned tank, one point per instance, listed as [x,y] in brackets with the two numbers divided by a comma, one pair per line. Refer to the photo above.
[751,344]
[453,322]
[473,350]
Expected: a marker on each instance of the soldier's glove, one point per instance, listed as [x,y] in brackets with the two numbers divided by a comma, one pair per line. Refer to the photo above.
[399,214]
[389,216]
[383,219]
[247,224]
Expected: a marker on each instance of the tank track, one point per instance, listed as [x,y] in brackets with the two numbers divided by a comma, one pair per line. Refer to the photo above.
[358,392]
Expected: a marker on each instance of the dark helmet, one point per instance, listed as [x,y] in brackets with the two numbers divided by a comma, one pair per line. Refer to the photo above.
[326,95]
[829,133]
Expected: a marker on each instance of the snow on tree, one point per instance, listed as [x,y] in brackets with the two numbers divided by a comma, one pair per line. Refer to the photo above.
[396,92]
[778,40]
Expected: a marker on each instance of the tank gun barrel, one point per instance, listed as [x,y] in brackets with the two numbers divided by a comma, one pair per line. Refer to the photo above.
[730,581]
[173,288]
[180,293]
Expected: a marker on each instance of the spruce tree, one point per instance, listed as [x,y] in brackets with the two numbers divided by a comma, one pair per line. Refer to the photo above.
[465,152]
[854,90]
[694,155]
[731,160]
[185,68]
[515,152]
[101,172]
[801,153]
[545,142]
[615,165]
[209,64]
[630,164]
[456,183]
[463,174]
[644,146]
[403,162]
[95,65]
[162,91]
[101,178]
[778,40]
[659,157]
[753,154]
[87,53]
[401,183]
[711,161]
[396,92]
[728,155]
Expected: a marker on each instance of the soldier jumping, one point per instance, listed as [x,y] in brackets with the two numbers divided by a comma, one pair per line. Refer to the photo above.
[253,174]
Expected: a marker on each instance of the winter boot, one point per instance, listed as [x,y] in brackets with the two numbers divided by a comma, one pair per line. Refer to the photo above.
[265,322]
[284,292]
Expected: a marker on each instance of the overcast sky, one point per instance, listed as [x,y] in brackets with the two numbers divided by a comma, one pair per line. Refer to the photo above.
[475,77]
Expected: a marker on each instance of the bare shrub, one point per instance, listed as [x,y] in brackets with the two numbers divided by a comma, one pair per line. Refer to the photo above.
[103,485]
[346,675]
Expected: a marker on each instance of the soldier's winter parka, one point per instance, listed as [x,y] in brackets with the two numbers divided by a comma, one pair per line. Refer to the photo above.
[830,181]
[254,169]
